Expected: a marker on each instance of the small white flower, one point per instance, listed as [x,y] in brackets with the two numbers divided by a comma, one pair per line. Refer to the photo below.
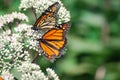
[64,15]
[19,16]
[52,74]
[6,75]
[30,36]
[22,27]
[27,67]
[34,75]
[31,71]
[12,47]
[8,18]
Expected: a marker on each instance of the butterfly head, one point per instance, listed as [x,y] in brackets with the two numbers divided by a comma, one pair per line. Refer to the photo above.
[65,26]
[34,28]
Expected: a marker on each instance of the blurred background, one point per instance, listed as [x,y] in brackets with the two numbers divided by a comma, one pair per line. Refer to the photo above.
[93,50]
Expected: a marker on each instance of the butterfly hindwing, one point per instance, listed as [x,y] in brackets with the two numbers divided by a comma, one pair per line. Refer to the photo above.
[53,34]
[57,44]
[53,49]
[48,19]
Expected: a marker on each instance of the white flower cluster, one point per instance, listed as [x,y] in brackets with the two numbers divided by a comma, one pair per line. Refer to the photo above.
[11,52]
[30,36]
[8,18]
[52,74]
[6,75]
[32,71]
[41,5]
[28,67]
[14,48]
[64,15]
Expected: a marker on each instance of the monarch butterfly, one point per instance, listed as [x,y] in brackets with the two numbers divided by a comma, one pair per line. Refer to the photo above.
[48,19]
[54,41]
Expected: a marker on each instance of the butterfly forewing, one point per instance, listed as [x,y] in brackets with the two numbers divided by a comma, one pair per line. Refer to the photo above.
[49,51]
[48,19]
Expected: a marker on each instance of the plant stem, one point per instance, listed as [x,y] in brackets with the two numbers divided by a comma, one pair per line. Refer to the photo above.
[3,28]
[35,57]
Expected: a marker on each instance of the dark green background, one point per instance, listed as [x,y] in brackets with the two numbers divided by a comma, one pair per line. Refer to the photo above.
[93,40]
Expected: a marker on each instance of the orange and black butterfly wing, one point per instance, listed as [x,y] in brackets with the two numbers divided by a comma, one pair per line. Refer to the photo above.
[48,19]
[53,49]
[53,43]
[1,78]
[54,34]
